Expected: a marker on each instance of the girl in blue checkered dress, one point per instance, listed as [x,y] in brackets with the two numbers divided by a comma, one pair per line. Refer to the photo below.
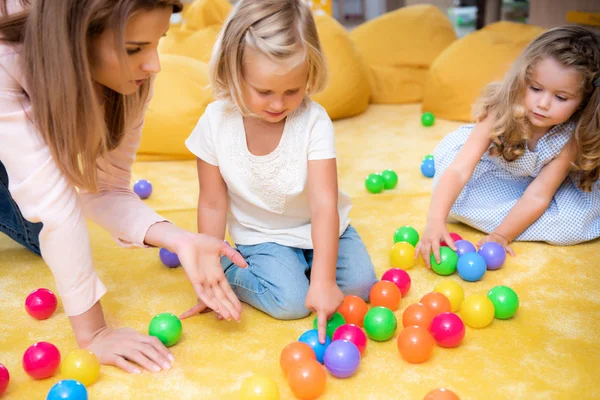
[529,168]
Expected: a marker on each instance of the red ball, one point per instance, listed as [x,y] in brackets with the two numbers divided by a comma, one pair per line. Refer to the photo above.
[351,333]
[454,236]
[41,304]
[41,360]
[447,329]
[4,379]
[400,277]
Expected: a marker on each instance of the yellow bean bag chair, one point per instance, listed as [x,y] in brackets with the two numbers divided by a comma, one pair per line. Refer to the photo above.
[203,13]
[181,94]
[399,48]
[195,44]
[459,74]
[347,93]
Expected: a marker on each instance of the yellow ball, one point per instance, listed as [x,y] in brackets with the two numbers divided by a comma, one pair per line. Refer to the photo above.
[452,291]
[81,365]
[402,255]
[259,387]
[477,311]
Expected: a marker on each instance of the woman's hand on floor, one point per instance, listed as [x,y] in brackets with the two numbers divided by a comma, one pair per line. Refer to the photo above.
[430,242]
[324,298]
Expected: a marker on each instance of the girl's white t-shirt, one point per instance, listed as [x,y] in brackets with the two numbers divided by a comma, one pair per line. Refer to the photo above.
[268,195]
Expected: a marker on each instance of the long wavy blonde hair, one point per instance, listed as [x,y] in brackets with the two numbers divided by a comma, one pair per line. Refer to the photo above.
[574,47]
[277,29]
[77,126]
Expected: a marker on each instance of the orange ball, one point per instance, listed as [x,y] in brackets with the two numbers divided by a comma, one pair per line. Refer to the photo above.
[295,353]
[353,309]
[385,294]
[441,394]
[307,379]
[437,302]
[415,344]
[417,315]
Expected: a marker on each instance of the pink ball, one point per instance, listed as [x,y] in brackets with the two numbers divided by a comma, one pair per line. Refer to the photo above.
[447,329]
[454,236]
[41,304]
[351,333]
[400,277]
[4,379]
[41,360]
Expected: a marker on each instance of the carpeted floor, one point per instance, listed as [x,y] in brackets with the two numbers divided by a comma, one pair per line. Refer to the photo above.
[549,350]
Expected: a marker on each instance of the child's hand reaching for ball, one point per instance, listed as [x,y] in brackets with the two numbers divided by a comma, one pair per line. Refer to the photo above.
[324,298]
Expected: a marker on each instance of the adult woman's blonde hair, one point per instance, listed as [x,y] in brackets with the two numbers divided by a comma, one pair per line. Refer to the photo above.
[574,47]
[77,125]
[278,29]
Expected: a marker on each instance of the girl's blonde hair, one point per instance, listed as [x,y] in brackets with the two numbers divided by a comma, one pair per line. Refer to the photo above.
[572,46]
[277,29]
[77,125]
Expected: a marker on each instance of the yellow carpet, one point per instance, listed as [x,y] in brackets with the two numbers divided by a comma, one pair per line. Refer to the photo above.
[550,350]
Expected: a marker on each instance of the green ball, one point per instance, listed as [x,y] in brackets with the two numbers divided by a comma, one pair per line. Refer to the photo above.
[428,157]
[380,323]
[390,179]
[505,301]
[448,261]
[406,234]
[334,322]
[166,327]
[374,183]
[427,119]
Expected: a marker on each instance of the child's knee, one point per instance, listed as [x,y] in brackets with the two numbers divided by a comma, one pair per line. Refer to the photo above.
[288,307]
[360,283]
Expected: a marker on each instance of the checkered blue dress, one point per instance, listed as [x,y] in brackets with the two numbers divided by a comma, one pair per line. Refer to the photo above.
[573,215]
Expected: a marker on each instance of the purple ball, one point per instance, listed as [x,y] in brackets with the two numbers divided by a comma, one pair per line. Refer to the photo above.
[464,246]
[142,188]
[169,259]
[342,358]
[494,255]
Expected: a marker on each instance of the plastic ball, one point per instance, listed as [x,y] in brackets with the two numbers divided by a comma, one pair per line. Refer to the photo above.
[448,261]
[402,255]
[41,303]
[447,329]
[259,387]
[333,323]
[168,258]
[295,353]
[417,314]
[477,311]
[400,277]
[311,338]
[374,183]
[4,379]
[437,302]
[353,309]
[307,380]
[494,255]
[464,246]
[142,188]
[428,168]
[380,324]
[471,267]
[81,365]
[41,360]
[390,179]
[385,294]
[428,157]
[427,119]
[505,301]
[415,344]
[67,389]
[406,234]
[166,327]
[455,237]
[352,333]
[342,358]
[453,291]
[441,394]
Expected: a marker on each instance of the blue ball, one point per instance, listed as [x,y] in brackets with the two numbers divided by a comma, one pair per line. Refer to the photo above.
[471,267]
[168,258]
[142,188]
[68,389]
[311,338]
[428,168]
[342,358]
